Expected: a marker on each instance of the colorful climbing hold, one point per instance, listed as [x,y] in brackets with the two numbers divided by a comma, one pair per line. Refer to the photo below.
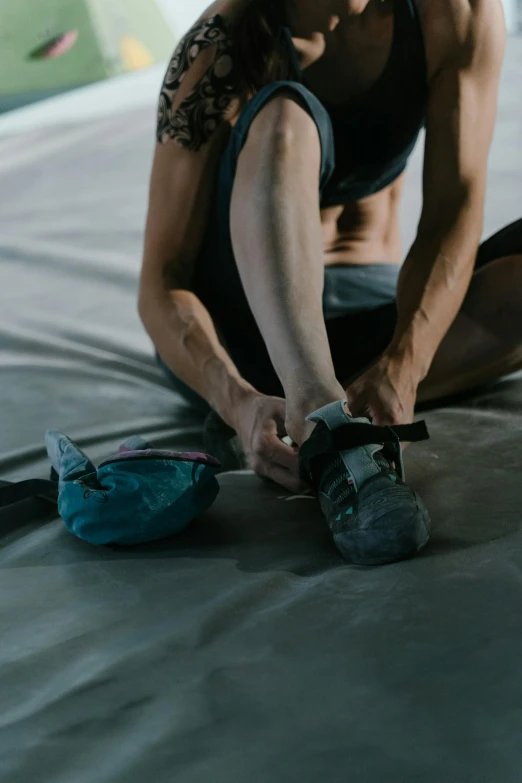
[56,47]
[135,55]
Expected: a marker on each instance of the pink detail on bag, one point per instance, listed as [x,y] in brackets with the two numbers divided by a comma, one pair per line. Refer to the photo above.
[161,454]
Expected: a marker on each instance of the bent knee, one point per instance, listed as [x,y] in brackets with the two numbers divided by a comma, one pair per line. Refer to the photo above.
[284,124]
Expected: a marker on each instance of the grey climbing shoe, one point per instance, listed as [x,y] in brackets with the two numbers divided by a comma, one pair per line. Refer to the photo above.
[357,472]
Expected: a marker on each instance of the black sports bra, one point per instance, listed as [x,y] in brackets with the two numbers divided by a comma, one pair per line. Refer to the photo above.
[376,132]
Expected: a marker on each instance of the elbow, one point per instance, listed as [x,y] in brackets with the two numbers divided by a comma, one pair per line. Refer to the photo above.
[157,307]
[146,307]
[152,294]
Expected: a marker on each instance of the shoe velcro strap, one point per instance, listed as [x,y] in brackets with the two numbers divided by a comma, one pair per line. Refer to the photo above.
[351,436]
[23,490]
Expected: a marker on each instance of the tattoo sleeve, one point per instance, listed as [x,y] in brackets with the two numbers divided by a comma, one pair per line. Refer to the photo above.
[195,119]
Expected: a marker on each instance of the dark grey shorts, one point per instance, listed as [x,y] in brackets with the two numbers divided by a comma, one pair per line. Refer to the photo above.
[358,301]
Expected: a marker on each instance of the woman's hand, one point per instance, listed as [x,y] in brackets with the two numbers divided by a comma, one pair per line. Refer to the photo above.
[385,394]
[259,423]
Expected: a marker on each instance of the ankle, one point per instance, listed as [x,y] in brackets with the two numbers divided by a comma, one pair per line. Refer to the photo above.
[303,398]
[298,428]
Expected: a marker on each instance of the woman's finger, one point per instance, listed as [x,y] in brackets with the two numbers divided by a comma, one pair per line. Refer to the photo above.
[283,455]
[274,450]
[280,463]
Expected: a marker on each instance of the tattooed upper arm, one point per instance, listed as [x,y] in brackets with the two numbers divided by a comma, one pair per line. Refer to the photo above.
[192,120]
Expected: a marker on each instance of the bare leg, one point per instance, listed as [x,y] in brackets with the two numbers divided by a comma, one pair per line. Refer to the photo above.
[277,241]
[485,341]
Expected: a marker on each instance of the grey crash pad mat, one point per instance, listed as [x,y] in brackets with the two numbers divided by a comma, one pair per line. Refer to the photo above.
[245,650]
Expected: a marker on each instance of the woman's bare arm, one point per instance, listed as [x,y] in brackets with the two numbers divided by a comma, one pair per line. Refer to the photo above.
[181,188]
[465,41]
[460,123]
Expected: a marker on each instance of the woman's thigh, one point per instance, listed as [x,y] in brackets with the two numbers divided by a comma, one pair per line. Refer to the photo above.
[485,341]
[477,347]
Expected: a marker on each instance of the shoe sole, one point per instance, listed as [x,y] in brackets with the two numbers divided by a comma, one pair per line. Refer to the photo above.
[389,523]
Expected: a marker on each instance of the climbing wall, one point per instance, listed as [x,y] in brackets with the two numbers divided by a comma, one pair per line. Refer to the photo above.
[55,45]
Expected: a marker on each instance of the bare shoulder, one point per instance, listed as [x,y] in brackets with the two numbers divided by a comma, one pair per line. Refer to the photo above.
[199,93]
[461,31]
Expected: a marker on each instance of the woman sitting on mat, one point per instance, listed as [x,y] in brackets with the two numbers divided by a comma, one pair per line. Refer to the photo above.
[272,284]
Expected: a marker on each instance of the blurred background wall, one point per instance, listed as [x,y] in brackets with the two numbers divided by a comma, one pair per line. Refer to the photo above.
[48,47]
[185,11]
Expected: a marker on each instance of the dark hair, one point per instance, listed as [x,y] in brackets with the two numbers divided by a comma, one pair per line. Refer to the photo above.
[260,53]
